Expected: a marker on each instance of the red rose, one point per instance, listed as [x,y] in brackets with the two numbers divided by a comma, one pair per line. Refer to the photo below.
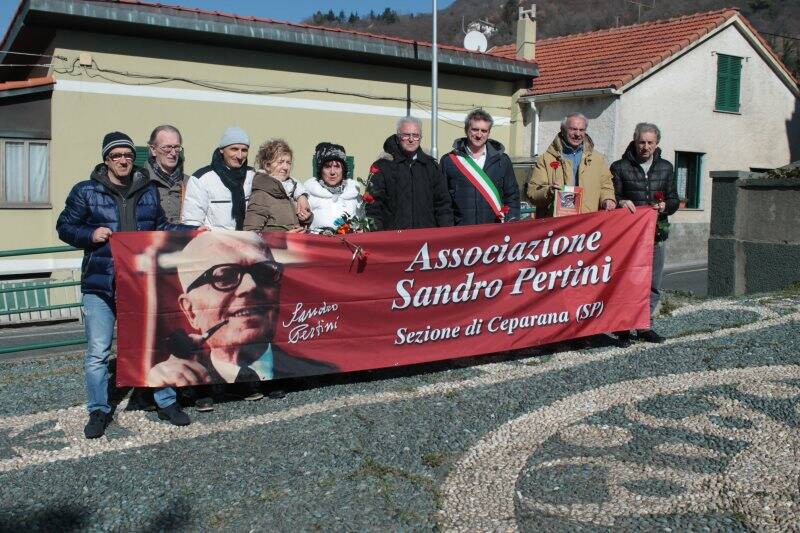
[505,209]
[374,169]
[555,164]
[368,198]
[659,196]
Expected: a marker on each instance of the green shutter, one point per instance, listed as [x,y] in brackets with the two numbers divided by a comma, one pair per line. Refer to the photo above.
[729,78]
[142,154]
[351,166]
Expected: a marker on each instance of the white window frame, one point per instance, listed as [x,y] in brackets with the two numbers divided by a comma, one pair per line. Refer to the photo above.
[27,182]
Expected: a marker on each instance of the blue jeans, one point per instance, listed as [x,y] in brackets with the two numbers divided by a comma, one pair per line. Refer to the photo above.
[99,316]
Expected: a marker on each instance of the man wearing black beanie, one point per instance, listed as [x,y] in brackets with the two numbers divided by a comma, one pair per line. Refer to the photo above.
[117,197]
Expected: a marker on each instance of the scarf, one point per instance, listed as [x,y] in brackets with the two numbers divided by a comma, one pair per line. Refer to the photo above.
[335,190]
[170,179]
[233,179]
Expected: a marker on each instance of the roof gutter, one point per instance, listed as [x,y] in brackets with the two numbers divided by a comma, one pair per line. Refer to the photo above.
[250,32]
[587,93]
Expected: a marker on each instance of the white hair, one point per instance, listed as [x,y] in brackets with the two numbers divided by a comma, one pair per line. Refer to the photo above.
[574,115]
[409,120]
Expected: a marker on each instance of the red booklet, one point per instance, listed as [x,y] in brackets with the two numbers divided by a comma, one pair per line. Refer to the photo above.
[568,201]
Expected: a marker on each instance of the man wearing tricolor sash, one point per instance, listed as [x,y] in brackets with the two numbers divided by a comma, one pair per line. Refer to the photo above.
[480,175]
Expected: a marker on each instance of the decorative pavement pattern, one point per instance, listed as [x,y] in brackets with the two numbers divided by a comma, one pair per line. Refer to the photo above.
[699,433]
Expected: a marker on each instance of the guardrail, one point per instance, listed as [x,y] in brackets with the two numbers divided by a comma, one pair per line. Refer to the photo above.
[25,300]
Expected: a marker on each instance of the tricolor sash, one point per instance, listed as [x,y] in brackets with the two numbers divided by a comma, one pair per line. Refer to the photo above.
[475,174]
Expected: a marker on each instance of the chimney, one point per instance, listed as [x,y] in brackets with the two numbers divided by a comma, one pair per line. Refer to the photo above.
[526,33]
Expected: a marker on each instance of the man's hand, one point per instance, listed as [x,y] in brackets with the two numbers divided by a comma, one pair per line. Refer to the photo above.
[101,235]
[296,229]
[609,205]
[627,204]
[176,372]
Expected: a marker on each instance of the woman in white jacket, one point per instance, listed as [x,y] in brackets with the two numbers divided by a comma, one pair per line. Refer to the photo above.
[331,194]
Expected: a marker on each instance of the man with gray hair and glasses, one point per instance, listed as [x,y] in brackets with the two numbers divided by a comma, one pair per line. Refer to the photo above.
[165,167]
[406,189]
[643,178]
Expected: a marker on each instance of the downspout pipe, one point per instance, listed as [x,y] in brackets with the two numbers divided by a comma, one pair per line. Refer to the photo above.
[434,87]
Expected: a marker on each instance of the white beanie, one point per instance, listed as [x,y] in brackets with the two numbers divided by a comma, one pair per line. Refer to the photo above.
[234,135]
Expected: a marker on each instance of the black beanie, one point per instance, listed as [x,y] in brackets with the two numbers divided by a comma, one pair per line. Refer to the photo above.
[325,152]
[115,139]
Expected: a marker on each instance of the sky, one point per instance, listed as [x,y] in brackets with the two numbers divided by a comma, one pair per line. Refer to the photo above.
[292,10]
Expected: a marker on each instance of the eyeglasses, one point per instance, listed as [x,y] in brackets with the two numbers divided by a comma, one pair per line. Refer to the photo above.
[228,276]
[168,148]
[117,156]
[415,136]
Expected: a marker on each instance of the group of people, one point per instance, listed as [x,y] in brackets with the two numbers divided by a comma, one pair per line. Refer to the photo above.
[407,188]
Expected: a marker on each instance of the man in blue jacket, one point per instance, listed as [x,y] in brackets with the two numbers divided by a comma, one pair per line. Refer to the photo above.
[480,175]
[116,197]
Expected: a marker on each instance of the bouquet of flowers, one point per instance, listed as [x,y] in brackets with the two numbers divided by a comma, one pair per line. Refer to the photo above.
[348,223]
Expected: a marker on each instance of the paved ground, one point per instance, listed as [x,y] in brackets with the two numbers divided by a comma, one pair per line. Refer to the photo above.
[63,332]
[690,279]
[698,433]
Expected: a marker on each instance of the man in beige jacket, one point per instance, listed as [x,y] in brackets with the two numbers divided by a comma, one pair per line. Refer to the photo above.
[572,160]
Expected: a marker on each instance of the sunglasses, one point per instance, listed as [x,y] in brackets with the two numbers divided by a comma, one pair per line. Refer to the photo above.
[227,277]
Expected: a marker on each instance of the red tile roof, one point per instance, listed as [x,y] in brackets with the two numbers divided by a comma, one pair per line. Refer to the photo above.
[25,84]
[609,59]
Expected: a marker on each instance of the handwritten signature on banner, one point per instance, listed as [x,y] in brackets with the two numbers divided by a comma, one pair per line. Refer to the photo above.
[300,328]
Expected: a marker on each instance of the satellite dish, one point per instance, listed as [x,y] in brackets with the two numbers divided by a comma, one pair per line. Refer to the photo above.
[475,41]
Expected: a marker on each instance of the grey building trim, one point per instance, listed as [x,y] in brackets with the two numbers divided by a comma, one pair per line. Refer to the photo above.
[586,93]
[248,32]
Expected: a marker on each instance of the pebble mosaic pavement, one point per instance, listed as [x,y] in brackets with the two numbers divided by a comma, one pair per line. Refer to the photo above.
[699,433]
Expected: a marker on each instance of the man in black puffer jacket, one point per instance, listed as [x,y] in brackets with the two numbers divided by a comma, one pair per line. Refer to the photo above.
[643,178]
[406,189]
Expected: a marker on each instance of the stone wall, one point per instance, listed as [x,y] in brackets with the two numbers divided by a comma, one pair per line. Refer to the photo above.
[754,244]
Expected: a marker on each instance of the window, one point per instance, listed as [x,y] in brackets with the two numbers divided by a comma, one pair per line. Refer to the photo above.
[729,77]
[142,155]
[688,172]
[24,173]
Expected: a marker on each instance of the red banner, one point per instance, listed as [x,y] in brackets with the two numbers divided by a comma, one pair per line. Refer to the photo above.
[237,306]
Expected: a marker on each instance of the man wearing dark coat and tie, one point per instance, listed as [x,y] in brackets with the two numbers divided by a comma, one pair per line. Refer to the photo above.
[231,284]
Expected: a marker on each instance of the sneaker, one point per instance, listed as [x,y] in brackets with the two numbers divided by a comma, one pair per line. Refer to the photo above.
[252,391]
[174,414]
[204,405]
[141,400]
[98,421]
[623,339]
[253,396]
[649,335]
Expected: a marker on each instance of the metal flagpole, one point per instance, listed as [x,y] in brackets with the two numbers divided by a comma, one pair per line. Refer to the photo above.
[434,89]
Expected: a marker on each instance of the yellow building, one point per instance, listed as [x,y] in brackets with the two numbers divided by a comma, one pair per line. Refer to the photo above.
[104,65]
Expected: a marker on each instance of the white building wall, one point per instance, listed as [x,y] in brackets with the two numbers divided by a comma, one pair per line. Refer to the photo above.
[680,99]
[601,112]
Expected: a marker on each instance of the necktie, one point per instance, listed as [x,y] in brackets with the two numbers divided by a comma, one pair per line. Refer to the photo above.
[246,374]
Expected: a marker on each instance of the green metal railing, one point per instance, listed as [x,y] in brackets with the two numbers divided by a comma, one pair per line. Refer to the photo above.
[32,287]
